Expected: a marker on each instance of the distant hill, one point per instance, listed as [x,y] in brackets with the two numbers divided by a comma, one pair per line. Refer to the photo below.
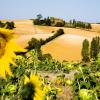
[65,47]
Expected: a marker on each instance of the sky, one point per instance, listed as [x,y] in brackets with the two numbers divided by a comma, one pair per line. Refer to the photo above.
[83,10]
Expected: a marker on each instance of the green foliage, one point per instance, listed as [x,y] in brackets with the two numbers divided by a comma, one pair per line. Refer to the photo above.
[51,94]
[47,21]
[7,25]
[86,85]
[78,24]
[98,58]
[95,47]
[91,51]
[14,89]
[51,21]
[10,25]
[85,50]
[36,44]
[88,78]
[39,16]
[60,24]
[85,94]
[44,22]
[37,22]
[88,26]
[2,24]
[29,90]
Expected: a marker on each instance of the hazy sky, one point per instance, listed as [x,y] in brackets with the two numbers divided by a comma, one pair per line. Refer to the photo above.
[85,10]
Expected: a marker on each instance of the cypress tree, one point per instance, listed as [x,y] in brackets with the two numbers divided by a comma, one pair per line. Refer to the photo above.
[85,51]
[89,26]
[95,47]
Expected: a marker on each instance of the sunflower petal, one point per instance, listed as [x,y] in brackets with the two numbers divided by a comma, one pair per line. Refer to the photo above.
[9,52]
[26,80]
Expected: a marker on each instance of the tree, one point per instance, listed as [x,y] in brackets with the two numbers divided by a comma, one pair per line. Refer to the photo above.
[59,32]
[36,22]
[95,47]
[47,56]
[48,21]
[98,58]
[89,26]
[7,25]
[85,51]
[10,25]
[70,22]
[33,44]
[60,24]
[74,23]
[39,16]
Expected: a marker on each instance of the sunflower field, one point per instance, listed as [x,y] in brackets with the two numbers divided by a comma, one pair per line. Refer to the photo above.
[35,76]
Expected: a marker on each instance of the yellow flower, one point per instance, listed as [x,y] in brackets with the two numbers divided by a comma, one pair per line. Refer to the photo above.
[68,82]
[85,94]
[59,90]
[37,94]
[46,89]
[7,51]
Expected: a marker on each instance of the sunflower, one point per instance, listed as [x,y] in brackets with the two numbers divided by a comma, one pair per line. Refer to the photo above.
[32,89]
[8,47]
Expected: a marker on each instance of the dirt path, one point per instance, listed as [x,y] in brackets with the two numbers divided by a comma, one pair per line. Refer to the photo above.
[67,90]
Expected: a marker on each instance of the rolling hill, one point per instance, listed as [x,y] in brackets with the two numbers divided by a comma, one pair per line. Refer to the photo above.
[66,47]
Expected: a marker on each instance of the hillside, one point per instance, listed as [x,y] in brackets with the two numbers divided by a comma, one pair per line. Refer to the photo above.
[66,47]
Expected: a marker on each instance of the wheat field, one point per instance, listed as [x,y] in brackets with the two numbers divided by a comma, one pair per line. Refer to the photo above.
[66,47]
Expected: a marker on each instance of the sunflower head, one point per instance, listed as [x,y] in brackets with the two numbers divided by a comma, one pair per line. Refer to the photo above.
[28,91]
[2,45]
[32,89]
[7,51]
[5,35]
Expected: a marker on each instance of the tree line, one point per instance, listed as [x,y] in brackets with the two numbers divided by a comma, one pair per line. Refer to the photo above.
[36,44]
[51,21]
[7,25]
[78,24]
[90,51]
